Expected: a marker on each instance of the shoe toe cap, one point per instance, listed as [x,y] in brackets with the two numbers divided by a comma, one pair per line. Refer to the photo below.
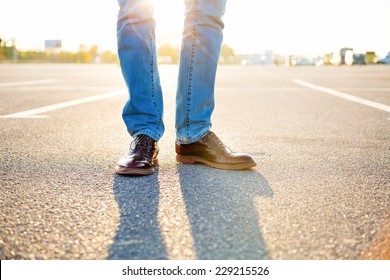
[130,162]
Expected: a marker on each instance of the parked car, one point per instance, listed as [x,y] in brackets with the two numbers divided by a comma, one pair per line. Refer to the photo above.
[343,56]
[385,60]
[359,58]
[370,57]
[301,60]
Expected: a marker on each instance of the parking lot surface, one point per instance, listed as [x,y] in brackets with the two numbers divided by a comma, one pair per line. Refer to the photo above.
[320,190]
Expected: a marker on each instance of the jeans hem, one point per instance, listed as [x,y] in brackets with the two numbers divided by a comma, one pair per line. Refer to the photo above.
[196,138]
[155,136]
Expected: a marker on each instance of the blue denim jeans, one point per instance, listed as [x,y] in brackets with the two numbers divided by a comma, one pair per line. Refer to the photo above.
[200,49]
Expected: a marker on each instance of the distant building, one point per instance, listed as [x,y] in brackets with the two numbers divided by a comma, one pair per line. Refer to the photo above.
[164,60]
[53,44]
[267,58]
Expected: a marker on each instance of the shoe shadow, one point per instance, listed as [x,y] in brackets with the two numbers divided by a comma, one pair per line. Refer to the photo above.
[220,208]
[138,236]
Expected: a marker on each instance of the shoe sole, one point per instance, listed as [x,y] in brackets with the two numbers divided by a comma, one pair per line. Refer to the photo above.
[122,170]
[224,166]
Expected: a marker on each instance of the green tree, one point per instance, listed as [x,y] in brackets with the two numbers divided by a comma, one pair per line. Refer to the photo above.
[228,55]
[93,52]
[83,56]
[227,51]
[1,49]
[170,51]
[6,52]
[108,57]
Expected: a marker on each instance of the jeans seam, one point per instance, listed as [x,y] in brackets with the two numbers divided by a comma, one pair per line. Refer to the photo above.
[191,67]
[153,85]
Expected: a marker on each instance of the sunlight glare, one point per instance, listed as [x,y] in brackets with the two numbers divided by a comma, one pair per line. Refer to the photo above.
[169,15]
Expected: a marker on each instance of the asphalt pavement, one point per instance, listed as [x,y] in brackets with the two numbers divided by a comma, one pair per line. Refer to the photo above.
[321,189]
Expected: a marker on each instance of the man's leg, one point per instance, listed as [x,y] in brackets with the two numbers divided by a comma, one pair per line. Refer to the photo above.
[143,112]
[201,45]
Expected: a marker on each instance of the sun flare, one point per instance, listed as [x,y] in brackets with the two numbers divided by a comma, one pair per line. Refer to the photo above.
[169,15]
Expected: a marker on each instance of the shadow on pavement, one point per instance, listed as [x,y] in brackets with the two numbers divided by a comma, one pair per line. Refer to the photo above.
[138,236]
[219,205]
[221,211]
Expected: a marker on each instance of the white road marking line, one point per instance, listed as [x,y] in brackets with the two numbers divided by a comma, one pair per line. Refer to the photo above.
[28,83]
[245,89]
[58,88]
[367,89]
[346,96]
[34,113]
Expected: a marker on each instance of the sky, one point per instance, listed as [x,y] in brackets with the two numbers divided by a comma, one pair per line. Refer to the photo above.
[311,27]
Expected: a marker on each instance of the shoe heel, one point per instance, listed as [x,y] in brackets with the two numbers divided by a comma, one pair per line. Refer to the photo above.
[155,162]
[184,159]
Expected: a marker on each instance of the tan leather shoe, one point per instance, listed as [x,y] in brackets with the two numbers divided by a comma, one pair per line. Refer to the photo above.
[211,151]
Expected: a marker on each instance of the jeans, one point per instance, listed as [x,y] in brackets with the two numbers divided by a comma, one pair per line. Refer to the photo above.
[199,54]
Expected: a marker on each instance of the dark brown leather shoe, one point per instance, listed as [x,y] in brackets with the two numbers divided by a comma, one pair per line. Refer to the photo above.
[211,151]
[141,158]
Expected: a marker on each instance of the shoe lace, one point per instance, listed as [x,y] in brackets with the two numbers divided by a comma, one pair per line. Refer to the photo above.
[141,143]
[216,138]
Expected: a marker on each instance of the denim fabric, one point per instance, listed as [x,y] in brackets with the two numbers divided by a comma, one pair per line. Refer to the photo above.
[201,44]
